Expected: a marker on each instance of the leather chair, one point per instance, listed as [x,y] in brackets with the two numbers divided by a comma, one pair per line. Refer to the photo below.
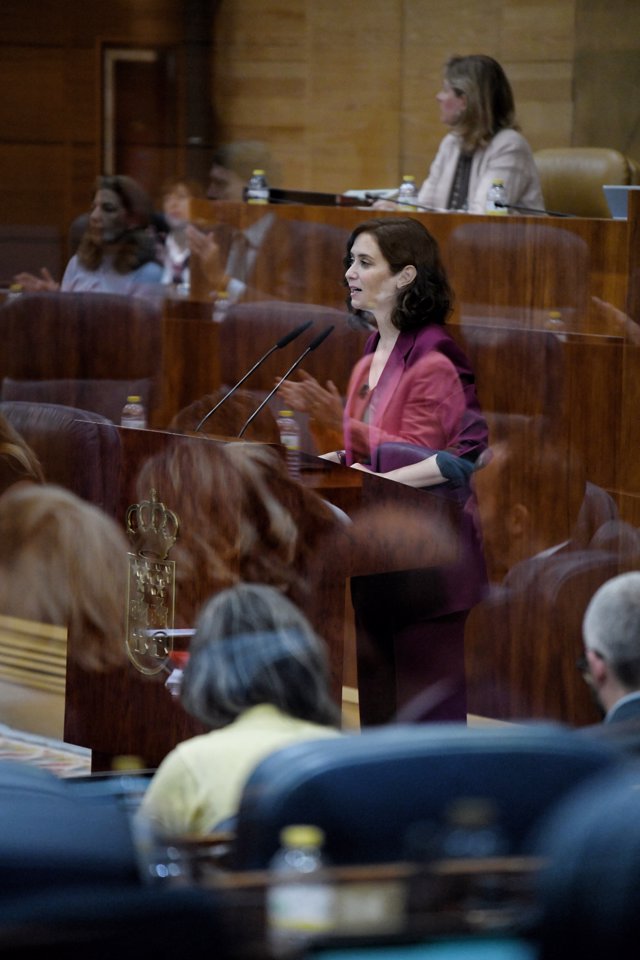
[367,790]
[251,328]
[572,178]
[77,449]
[588,895]
[71,878]
[86,350]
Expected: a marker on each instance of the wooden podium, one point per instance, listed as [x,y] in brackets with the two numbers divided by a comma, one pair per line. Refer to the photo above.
[130,711]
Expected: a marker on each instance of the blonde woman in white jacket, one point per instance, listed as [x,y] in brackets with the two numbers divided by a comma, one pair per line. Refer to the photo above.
[483,144]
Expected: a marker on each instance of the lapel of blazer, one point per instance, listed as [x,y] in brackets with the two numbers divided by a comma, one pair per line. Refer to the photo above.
[392,373]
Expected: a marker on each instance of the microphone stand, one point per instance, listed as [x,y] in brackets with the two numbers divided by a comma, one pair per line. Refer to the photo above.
[312,346]
[519,209]
[282,342]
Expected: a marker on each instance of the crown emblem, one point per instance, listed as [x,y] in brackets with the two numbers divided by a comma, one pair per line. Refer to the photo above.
[152,528]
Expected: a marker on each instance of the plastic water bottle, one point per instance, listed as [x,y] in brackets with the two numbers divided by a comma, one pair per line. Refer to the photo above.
[257,190]
[474,833]
[133,413]
[300,902]
[290,440]
[472,830]
[496,194]
[407,193]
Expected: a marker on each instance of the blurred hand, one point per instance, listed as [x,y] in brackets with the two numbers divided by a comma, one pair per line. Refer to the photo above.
[627,327]
[31,283]
[308,396]
[203,246]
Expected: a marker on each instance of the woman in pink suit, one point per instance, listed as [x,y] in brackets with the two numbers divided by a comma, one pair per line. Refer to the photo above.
[412,415]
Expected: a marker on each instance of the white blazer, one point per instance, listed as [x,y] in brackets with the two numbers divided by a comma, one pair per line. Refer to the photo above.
[507,157]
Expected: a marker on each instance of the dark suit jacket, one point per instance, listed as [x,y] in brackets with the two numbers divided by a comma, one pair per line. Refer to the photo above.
[621,729]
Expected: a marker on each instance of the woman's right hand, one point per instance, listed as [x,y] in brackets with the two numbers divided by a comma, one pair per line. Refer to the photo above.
[306,395]
[31,283]
[205,247]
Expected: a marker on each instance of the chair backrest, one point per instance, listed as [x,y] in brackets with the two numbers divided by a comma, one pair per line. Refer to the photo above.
[517,370]
[250,329]
[71,877]
[588,894]
[87,350]
[51,835]
[366,790]
[77,449]
[572,178]
[546,290]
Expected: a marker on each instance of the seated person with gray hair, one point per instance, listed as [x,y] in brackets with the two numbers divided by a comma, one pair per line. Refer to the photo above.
[258,677]
[611,662]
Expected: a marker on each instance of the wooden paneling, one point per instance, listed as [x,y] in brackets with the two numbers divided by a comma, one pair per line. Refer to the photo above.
[367,74]
[342,94]
[607,74]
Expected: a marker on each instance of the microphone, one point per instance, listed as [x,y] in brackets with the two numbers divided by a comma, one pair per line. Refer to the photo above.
[519,209]
[312,346]
[282,342]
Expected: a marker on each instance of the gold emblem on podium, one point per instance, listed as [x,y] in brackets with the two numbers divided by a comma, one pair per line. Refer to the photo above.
[152,530]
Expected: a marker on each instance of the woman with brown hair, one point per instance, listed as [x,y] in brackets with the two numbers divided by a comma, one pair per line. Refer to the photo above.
[483,143]
[117,253]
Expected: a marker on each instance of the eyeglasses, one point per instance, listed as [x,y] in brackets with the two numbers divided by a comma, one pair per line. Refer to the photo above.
[582,664]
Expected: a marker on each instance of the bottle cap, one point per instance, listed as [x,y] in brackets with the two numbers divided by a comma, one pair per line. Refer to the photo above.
[127,762]
[285,413]
[133,399]
[258,173]
[302,835]
[408,178]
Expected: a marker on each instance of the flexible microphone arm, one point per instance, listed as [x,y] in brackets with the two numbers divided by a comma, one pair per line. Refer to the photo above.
[400,202]
[312,346]
[519,209]
[282,342]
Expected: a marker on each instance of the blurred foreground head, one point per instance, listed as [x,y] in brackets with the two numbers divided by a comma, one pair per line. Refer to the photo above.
[64,562]
[233,164]
[242,519]
[18,462]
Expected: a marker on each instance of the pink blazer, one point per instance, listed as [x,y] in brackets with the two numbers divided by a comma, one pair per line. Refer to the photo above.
[425,396]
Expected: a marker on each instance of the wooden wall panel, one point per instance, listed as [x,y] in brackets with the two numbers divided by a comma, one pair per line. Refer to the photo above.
[32,183]
[608,74]
[343,94]
[50,107]
[363,112]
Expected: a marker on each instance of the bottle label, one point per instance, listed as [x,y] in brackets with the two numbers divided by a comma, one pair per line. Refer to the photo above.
[300,907]
[139,423]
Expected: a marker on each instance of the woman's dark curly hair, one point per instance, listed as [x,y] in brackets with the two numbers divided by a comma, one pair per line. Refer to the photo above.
[403,241]
[135,246]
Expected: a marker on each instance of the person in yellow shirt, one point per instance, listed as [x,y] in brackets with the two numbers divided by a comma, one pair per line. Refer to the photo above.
[258,677]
